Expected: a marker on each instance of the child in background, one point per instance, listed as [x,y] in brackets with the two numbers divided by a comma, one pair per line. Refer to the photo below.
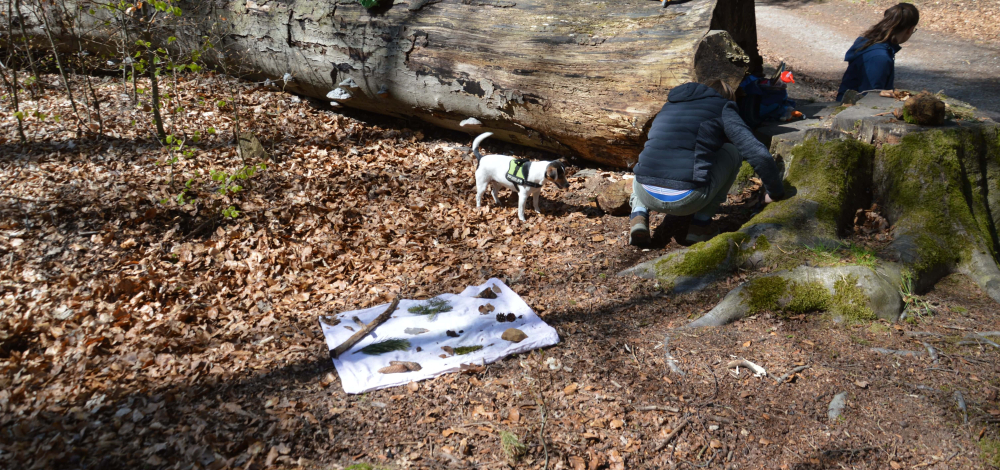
[871,60]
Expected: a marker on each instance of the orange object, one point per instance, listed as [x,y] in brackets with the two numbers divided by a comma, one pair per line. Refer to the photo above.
[787,77]
[796,114]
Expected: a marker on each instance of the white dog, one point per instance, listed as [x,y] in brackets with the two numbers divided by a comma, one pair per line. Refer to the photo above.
[518,175]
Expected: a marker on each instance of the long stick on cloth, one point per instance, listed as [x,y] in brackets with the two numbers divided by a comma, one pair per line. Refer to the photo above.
[367,329]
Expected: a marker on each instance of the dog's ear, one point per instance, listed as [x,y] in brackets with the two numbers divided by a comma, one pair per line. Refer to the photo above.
[559,167]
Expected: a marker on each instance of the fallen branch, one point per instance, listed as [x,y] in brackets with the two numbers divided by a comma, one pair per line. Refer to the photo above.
[897,352]
[931,351]
[657,408]
[977,337]
[758,371]
[367,329]
[672,435]
[670,359]
[720,419]
[791,373]
[960,401]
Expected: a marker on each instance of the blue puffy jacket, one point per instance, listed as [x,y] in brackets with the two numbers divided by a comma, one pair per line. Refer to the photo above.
[869,68]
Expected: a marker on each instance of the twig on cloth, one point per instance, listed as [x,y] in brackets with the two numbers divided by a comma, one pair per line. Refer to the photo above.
[360,334]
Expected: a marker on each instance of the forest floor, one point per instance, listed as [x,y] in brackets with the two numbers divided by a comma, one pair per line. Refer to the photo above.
[140,328]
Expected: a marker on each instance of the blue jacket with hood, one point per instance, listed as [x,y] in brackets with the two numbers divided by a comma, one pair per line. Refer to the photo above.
[694,123]
[869,68]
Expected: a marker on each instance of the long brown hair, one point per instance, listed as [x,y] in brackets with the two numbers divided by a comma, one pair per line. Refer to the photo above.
[896,20]
[723,88]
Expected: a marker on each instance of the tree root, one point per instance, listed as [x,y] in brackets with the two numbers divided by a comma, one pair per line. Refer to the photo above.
[854,292]
[936,188]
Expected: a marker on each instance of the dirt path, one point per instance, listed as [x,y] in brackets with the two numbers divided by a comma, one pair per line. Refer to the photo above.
[813,37]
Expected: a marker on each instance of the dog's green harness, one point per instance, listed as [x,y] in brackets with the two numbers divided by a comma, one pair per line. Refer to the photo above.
[518,173]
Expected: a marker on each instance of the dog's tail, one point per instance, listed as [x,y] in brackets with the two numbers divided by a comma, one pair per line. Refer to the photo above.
[475,145]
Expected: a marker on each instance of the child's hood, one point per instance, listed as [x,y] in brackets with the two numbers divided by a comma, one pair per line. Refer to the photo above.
[689,92]
[858,49]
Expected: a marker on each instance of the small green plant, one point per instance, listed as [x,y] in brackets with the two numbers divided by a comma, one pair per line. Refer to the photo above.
[363,466]
[383,347]
[432,307]
[862,256]
[467,349]
[512,447]
[230,212]
[913,305]
[823,253]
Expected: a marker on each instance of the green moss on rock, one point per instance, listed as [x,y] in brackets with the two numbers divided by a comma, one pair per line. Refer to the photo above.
[933,192]
[783,297]
[829,179]
[702,258]
[744,176]
[850,301]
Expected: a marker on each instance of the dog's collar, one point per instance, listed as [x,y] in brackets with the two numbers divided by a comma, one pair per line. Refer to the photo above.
[517,173]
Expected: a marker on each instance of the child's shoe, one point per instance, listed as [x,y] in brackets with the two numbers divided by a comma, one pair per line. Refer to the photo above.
[639,233]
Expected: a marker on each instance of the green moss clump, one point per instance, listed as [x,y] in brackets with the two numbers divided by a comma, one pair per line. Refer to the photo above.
[827,194]
[368,3]
[467,349]
[908,117]
[743,177]
[702,258]
[807,297]
[838,109]
[850,301]
[763,293]
[783,297]
[990,451]
[933,182]
[761,244]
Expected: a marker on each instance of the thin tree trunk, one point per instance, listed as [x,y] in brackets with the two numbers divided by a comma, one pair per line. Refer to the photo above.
[154,86]
[27,47]
[62,73]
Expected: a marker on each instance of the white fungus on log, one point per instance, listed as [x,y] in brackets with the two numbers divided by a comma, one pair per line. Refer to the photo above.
[338,94]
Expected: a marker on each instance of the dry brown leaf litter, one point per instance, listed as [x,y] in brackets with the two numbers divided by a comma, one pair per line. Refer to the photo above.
[138,334]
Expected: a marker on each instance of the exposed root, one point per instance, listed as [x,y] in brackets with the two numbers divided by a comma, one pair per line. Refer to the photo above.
[806,289]
[758,371]
[931,351]
[898,352]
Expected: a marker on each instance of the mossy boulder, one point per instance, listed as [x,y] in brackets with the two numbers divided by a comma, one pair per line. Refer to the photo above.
[940,192]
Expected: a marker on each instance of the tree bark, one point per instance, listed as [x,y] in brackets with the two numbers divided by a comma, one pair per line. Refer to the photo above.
[573,77]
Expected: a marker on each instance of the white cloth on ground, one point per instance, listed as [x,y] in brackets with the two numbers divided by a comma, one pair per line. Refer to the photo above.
[359,371]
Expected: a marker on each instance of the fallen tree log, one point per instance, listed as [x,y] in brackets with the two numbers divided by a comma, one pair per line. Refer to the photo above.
[582,78]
